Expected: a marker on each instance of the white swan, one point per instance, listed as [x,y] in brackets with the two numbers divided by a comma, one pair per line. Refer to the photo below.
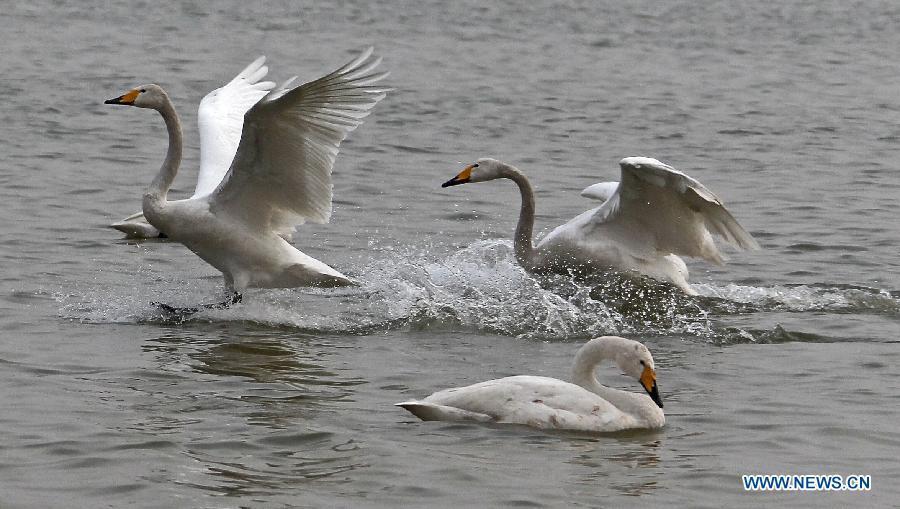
[280,177]
[649,218]
[220,118]
[548,403]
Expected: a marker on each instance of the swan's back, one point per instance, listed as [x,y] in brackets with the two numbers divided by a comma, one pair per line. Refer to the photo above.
[539,402]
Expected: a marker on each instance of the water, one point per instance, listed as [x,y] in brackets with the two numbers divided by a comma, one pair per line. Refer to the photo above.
[784,364]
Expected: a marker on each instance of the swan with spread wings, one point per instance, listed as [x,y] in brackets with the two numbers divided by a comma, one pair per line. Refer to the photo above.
[647,220]
[278,176]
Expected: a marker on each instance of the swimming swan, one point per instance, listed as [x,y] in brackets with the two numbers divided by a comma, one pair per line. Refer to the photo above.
[649,218]
[548,403]
[280,177]
[220,118]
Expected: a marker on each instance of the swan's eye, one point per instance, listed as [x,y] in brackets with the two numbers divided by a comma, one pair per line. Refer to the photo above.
[642,362]
[475,165]
[143,90]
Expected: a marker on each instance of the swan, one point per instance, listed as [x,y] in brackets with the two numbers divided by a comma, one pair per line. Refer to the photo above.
[220,118]
[548,403]
[280,176]
[647,220]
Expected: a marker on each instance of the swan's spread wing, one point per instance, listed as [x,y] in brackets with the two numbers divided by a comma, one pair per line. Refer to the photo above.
[281,175]
[221,119]
[601,191]
[674,213]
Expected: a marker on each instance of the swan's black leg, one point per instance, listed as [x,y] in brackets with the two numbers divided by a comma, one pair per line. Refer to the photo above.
[188,311]
[230,301]
[176,311]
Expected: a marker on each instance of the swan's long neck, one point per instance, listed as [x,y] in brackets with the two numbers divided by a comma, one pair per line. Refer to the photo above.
[523,242]
[155,197]
[589,358]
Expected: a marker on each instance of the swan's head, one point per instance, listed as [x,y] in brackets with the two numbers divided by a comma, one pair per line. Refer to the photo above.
[635,361]
[144,96]
[481,170]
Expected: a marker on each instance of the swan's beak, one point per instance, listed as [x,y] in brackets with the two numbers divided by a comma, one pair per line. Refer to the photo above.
[648,380]
[126,99]
[463,177]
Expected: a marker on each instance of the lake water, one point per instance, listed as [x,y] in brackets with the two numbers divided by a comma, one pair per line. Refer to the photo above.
[786,363]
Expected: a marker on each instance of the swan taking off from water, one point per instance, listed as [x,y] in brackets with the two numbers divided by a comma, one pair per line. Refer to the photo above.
[280,176]
[548,403]
[649,218]
[221,119]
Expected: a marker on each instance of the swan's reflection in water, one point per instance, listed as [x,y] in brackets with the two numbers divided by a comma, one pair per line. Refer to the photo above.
[631,457]
[217,391]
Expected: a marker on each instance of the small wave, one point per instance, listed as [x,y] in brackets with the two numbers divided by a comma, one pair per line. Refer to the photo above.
[778,334]
[732,299]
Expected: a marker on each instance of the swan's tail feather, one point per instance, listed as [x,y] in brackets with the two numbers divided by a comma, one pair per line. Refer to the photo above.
[316,273]
[433,412]
[136,226]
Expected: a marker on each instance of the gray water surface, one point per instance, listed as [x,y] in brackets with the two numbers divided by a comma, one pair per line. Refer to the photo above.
[786,363]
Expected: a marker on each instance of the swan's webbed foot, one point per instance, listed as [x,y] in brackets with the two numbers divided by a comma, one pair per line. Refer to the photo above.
[235,298]
[178,312]
[185,312]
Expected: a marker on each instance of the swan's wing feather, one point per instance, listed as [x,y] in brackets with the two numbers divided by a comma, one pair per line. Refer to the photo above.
[675,213]
[718,219]
[221,119]
[601,191]
[607,211]
[281,174]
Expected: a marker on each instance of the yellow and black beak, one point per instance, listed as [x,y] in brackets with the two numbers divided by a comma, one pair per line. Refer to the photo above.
[648,380]
[127,98]
[463,177]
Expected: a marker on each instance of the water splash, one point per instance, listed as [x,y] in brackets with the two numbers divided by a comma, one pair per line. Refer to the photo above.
[481,288]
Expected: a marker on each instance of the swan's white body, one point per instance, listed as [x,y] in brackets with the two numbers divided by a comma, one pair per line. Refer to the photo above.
[647,220]
[220,118]
[548,403]
[279,175]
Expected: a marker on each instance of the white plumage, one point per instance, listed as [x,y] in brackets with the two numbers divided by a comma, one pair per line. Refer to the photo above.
[548,403]
[279,176]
